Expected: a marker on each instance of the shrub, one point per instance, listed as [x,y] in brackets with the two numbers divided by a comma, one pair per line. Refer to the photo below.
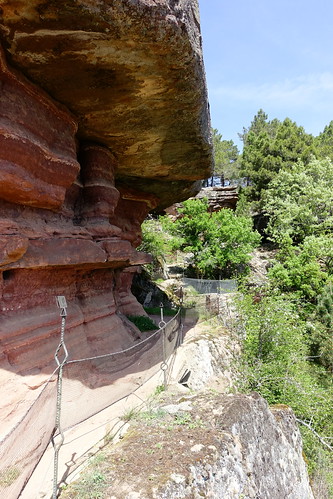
[220,242]
[142,322]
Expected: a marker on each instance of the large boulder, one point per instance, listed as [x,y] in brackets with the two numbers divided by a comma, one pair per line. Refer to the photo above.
[210,445]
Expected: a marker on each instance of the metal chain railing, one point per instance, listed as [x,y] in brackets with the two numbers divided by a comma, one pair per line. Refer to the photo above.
[162,332]
[61,301]
[53,412]
[164,365]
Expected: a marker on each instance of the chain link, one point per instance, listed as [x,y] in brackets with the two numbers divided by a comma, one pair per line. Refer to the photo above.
[60,363]
[58,434]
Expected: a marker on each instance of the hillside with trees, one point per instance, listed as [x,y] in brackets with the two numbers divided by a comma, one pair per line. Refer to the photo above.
[287,320]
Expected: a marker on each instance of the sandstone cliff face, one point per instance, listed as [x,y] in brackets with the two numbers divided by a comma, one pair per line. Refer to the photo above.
[217,197]
[60,231]
[103,117]
[131,71]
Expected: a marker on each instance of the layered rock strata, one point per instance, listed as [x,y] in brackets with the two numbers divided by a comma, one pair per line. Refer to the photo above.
[60,234]
[132,73]
[65,230]
[103,118]
[219,197]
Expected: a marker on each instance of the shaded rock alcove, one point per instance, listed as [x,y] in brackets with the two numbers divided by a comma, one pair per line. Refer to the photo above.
[103,118]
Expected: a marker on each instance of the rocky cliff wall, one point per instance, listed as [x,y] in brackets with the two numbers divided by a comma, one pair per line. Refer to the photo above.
[103,117]
[211,445]
[65,230]
[131,72]
[219,197]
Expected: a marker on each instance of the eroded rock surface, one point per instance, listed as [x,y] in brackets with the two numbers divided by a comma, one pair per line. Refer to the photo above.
[202,442]
[209,445]
[132,74]
[103,118]
[219,197]
[60,233]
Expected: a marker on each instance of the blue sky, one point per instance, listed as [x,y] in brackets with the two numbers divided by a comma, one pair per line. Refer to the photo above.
[274,55]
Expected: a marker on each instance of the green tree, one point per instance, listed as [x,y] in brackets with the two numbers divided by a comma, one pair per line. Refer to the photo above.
[258,124]
[320,247]
[325,306]
[226,156]
[300,274]
[220,242]
[157,243]
[324,142]
[256,141]
[299,201]
[270,146]
[274,363]
[324,336]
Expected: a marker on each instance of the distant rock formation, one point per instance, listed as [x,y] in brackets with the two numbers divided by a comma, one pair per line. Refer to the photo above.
[103,117]
[219,197]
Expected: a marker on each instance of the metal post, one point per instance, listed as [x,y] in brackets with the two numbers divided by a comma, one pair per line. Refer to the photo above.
[181,311]
[61,302]
[164,365]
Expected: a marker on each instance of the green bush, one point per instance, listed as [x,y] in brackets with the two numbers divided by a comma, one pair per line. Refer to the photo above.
[300,274]
[275,363]
[220,242]
[157,242]
[142,322]
[323,332]
[299,201]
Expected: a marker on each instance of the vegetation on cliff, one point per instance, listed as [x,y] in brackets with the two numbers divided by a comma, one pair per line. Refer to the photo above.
[286,322]
[218,244]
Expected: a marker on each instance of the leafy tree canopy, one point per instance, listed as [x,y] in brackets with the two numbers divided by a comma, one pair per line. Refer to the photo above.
[221,242]
[324,142]
[156,242]
[324,336]
[299,201]
[300,274]
[270,146]
[274,363]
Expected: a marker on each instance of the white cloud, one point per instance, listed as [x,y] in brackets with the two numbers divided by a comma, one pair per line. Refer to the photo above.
[310,90]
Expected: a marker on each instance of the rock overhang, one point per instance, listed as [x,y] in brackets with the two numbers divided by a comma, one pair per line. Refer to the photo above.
[132,74]
[103,118]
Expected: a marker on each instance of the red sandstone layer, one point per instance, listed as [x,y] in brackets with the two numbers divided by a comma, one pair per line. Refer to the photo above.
[65,229]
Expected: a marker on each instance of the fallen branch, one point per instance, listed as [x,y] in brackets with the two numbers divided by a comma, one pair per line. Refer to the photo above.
[315,433]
